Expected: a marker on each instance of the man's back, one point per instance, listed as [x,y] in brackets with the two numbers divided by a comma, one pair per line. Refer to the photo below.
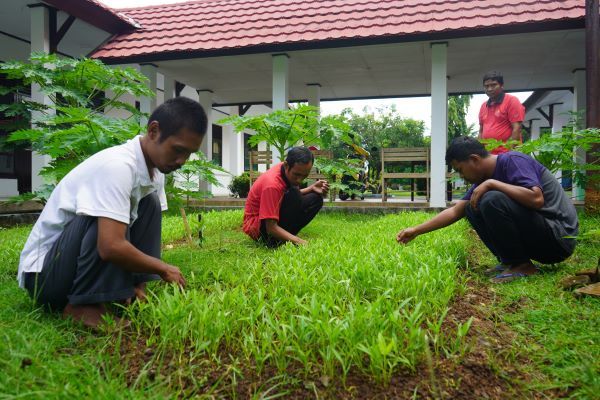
[108,184]
[264,200]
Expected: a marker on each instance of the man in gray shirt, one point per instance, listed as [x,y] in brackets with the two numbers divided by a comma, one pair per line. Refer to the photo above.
[516,206]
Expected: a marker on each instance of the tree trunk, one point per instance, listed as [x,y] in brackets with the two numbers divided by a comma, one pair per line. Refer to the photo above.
[592,68]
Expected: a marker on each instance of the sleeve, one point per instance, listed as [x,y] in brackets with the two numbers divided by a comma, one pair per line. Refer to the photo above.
[107,193]
[516,111]
[162,195]
[270,203]
[521,171]
[469,193]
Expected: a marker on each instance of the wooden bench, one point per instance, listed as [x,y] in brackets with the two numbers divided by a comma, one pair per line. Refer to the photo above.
[315,174]
[259,157]
[408,156]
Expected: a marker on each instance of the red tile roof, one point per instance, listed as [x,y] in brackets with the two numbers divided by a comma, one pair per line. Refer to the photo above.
[221,26]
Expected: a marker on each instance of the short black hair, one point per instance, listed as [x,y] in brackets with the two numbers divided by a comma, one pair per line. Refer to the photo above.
[462,147]
[178,113]
[494,76]
[299,155]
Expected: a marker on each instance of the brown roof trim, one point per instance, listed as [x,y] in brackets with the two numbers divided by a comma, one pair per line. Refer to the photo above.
[351,42]
[402,96]
[96,14]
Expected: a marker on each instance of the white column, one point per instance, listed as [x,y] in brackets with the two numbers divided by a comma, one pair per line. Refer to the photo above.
[439,123]
[233,143]
[169,87]
[40,42]
[579,107]
[314,94]
[205,98]
[535,129]
[148,104]
[280,88]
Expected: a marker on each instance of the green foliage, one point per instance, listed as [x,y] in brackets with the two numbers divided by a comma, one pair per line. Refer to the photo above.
[384,127]
[335,169]
[284,129]
[557,151]
[74,126]
[183,184]
[240,185]
[457,117]
[351,303]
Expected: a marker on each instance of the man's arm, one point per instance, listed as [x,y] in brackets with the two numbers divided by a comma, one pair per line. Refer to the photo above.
[320,187]
[531,198]
[516,131]
[114,247]
[443,219]
[279,233]
[480,132]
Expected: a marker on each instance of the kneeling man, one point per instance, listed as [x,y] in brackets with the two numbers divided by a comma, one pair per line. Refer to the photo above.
[98,238]
[516,206]
[276,208]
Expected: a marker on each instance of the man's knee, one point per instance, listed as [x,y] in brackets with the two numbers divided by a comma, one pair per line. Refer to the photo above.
[492,200]
[313,201]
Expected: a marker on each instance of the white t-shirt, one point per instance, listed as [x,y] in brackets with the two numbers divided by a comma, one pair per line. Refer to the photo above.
[109,184]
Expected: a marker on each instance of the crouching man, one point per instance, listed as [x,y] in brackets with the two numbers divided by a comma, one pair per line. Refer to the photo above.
[516,206]
[276,208]
[98,238]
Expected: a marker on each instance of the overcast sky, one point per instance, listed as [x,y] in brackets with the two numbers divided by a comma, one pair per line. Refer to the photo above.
[417,108]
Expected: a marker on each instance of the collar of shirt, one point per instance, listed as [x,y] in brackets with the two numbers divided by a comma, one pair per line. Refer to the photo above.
[285,179]
[497,100]
[141,166]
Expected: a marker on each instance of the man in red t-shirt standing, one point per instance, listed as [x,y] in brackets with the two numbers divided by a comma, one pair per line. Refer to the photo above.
[276,208]
[501,116]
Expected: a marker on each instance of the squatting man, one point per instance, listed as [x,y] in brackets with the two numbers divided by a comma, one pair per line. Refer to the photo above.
[516,206]
[97,241]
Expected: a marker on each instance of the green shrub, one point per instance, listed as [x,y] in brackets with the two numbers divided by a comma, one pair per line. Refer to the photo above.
[240,185]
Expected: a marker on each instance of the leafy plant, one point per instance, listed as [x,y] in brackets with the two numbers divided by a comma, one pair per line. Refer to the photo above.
[183,185]
[74,125]
[240,185]
[284,129]
[557,151]
[335,170]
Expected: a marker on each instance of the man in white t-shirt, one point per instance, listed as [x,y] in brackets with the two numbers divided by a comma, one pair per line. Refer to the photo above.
[97,240]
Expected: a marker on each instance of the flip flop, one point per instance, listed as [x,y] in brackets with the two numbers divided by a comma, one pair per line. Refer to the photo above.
[508,277]
[496,269]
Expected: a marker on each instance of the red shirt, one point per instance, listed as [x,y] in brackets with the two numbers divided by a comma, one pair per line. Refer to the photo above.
[497,118]
[264,200]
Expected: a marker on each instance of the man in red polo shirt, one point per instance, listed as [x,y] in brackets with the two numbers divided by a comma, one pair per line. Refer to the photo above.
[501,116]
[276,208]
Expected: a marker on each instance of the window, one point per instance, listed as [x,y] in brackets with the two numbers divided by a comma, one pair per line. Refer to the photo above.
[217,144]
[247,149]
[15,161]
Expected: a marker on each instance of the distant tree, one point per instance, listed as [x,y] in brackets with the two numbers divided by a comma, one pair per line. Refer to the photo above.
[384,127]
[457,117]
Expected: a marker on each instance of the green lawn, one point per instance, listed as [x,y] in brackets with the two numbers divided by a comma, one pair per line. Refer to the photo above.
[348,315]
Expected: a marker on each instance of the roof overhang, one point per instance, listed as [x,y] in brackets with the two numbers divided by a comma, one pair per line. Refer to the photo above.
[95,14]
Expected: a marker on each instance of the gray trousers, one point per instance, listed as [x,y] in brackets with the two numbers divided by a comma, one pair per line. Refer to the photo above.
[73,271]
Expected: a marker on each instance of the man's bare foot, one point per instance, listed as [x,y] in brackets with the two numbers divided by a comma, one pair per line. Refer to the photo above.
[139,292]
[91,315]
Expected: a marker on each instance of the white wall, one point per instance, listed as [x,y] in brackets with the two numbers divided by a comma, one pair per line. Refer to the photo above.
[13,49]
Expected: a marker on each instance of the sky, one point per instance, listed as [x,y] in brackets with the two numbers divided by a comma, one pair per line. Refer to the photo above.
[417,108]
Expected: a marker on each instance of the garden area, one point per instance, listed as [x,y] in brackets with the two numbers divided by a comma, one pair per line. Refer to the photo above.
[351,315]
